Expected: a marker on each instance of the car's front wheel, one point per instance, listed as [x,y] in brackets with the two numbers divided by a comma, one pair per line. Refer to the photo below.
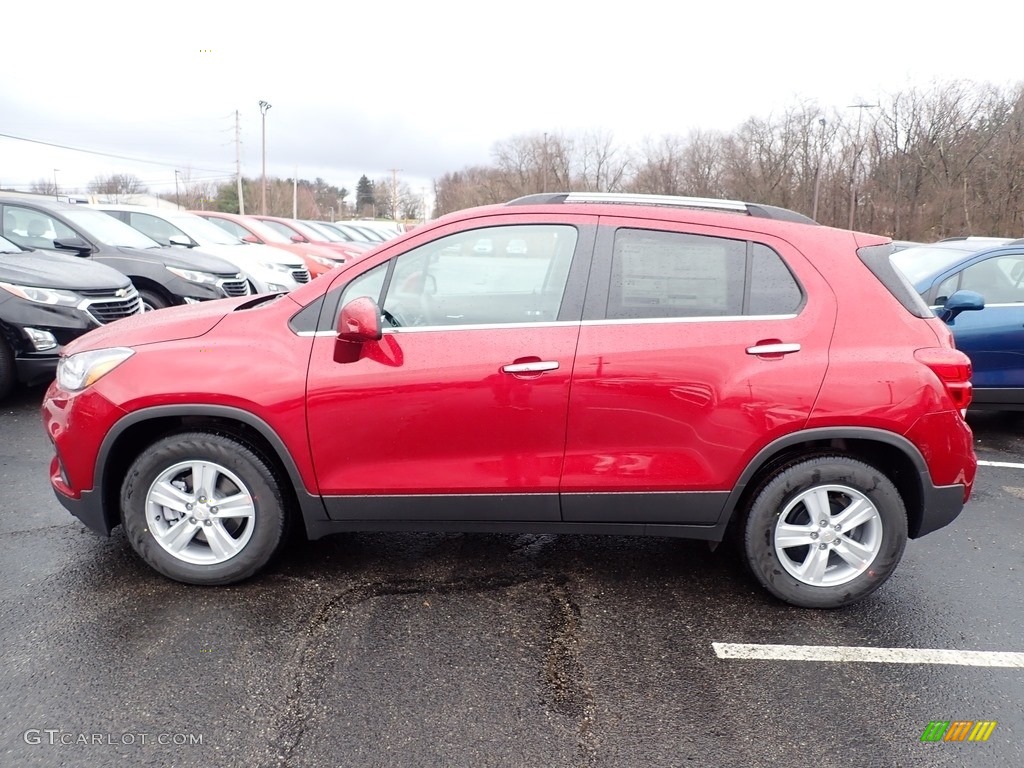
[825,532]
[152,301]
[203,509]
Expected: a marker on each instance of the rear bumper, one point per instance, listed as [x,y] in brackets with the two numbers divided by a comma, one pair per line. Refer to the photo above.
[942,504]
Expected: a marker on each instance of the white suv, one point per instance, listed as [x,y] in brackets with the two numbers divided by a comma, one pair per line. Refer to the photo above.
[269,270]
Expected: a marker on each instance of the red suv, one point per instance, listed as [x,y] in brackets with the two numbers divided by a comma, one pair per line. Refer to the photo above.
[643,366]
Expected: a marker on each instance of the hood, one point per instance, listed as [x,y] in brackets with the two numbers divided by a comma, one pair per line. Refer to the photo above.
[170,324]
[240,255]
[200,259]
[179,258]
[50,269]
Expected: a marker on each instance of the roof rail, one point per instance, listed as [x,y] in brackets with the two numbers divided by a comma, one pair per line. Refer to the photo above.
[974,239]
[701,203]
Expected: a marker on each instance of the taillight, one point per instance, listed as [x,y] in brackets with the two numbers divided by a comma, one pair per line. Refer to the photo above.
[953,367]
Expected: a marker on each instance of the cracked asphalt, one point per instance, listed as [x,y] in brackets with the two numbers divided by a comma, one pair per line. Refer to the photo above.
[491,650]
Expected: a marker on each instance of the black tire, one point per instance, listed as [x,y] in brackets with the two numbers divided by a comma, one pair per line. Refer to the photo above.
[799,489]
[8,371]
[151,300]
[264,534]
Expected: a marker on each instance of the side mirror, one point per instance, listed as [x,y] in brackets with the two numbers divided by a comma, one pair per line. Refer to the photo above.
[178,240]
[73,244]
[299,239]
[250,239]
[359,321]
[961,301]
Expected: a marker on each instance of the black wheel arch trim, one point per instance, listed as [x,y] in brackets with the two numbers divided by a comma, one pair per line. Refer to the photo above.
[311,505]
[869,434]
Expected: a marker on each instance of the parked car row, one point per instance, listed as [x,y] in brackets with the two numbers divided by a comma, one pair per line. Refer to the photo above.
[68,268]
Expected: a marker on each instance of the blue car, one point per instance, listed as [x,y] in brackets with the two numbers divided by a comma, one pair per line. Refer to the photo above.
[985,275]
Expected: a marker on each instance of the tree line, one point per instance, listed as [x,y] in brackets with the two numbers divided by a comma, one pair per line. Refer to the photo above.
[316,199]
[916,165]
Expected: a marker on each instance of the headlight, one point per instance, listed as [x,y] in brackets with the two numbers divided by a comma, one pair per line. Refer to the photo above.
[273,266]
[323,261]
[43,295]
[193,276]
[79,371]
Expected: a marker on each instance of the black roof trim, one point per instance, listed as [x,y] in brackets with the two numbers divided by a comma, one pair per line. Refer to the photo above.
[750,209]
[544,198]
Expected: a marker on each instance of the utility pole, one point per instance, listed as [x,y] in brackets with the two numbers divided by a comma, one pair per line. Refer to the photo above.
[295,194]
[856,156]
[177,197]
[264,106]
[545,161]
[817,171]
[394,192]
[238,164]
[56,189]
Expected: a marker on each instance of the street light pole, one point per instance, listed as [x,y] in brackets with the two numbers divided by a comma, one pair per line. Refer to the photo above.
[856,156]
[544,170]
[264,106]
[817,172]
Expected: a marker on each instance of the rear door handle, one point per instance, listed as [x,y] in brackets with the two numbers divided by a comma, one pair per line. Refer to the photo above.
[773,349]
[538,367]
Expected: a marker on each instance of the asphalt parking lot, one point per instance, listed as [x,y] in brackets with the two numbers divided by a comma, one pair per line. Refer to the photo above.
[491,650]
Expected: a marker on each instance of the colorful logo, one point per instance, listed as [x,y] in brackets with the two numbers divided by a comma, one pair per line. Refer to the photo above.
[958,730]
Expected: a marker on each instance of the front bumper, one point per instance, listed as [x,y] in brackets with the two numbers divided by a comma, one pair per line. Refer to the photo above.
[88,508]
[76,424]
[64,323]
[37,368]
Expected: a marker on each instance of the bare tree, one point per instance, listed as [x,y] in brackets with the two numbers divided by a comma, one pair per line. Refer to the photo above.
[659,169]
[920,165]
[602,166]
[43,186]
[117,185]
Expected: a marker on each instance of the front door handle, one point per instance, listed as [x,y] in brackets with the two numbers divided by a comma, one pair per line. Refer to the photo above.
[777,348]
[536,367]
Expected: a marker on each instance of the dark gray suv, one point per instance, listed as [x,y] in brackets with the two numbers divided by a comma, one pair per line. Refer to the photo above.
[163,276]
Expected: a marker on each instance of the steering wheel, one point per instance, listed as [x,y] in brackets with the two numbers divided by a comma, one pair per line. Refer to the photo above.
[404,316]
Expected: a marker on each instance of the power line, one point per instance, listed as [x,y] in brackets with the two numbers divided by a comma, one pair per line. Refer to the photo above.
[105,154]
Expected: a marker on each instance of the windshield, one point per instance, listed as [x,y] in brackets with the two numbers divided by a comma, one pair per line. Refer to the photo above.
[325,232]
[308,232]
[923,263]
[108,230]
[354,233]
[265,233]
[202,231]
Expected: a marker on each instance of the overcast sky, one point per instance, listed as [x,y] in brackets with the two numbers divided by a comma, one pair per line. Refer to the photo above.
[429,87]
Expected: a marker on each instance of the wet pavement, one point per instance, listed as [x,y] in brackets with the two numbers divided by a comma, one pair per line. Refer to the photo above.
[492,650]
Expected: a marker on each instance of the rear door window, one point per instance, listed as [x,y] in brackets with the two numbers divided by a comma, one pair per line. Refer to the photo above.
[659,274]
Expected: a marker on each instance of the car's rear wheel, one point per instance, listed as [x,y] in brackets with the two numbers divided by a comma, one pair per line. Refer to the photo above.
[8,372]
[203,509]
[825,532]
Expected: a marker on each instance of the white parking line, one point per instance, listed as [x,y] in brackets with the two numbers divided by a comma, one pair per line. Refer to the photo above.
[867,654]
[1009,464]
